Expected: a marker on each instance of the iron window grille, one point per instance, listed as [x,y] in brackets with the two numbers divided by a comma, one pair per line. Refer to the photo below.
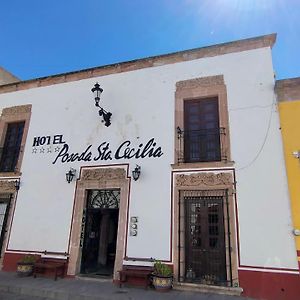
[205,145]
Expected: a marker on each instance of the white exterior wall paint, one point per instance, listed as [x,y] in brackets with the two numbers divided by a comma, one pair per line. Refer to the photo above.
[143,103]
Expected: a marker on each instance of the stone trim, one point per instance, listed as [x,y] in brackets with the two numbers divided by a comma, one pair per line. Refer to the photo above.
[203,179]
[99,178]
[200,82]
[7,190]
[188,55]
[203,88]
[6,77]
[11,115]
[16,110]
[199,181]
[288,89]
[103,174]
[7,186]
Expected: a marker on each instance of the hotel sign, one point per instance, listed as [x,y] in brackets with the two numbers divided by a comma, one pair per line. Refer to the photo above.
[100,152]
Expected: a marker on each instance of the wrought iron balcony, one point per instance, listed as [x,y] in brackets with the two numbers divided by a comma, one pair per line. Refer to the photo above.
[205,145]
[9,158]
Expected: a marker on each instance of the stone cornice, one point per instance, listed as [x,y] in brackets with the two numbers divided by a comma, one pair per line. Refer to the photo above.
[288,89]
[188,55]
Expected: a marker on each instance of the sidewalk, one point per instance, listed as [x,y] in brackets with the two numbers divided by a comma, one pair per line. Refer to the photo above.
[82,289]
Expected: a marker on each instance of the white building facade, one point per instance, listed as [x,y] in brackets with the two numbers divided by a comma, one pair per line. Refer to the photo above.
[211,199]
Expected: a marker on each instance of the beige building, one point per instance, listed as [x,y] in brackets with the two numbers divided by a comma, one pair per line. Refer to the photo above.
[6,77]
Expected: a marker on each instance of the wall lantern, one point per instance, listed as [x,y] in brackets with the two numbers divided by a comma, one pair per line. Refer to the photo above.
[17,184]
[136,172]
[70,175]
[97,91]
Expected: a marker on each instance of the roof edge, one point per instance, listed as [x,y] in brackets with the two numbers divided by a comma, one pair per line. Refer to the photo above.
[288,89]
[7,77]
[160,60]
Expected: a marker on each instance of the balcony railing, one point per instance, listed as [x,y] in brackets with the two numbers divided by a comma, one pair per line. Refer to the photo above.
[205,145]
[9,158]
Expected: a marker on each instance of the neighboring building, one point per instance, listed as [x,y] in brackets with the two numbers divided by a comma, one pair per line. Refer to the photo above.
[288,96]
[6,77]
[212,197]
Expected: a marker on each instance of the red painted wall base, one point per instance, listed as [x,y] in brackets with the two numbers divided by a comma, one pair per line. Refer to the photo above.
[10,261]
[258,285]
[269,285]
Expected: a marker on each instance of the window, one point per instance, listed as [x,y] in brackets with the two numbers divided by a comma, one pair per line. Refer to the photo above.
[14,125]
[12,146]
[201,122]
[201,130]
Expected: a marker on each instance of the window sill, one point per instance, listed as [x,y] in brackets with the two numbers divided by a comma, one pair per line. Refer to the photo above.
[203,165]
[10,174]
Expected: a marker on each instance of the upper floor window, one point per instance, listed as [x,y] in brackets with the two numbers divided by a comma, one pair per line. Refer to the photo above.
[201,130]
[12,146]
[201,120]
[14,125]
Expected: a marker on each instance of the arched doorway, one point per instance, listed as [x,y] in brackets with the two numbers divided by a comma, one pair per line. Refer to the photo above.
[101,199]
[100,232]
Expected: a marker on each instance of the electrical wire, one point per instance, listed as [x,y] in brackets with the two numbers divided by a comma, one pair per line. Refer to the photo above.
[251,107]
[265,139]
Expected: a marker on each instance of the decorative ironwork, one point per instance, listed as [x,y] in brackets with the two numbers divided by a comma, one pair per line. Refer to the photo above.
[104,199]
[99,232]
[203,231]
[97,91]
[201,145]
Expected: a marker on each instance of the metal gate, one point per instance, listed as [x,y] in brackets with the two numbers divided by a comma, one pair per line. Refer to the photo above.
[4,209]
[204,236]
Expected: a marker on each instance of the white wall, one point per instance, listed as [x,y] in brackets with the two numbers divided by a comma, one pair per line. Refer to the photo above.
[142,103]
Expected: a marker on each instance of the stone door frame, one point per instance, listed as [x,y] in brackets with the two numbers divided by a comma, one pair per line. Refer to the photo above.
[207,180]
[99,178]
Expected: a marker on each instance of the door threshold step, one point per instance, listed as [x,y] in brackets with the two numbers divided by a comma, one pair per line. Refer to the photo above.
[203,288]
[93,278]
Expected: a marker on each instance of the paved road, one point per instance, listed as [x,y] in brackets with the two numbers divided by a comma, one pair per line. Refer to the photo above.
[13,287]
[8,296]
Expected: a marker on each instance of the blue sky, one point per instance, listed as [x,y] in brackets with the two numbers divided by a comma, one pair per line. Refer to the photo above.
[42,37]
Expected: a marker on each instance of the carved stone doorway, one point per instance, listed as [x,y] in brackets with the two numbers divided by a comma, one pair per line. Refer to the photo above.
[99,179]
[207,200]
